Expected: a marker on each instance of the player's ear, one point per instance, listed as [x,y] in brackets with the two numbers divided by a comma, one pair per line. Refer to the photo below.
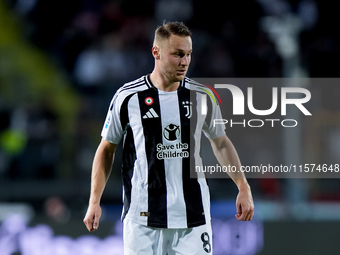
[155,52]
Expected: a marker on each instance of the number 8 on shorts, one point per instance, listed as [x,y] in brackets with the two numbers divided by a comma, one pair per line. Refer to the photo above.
[206,242]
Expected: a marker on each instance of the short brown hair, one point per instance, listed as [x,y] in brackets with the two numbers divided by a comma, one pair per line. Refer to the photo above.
[171,28]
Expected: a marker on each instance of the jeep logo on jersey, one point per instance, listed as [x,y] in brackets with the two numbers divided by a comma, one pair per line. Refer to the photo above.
[171,132]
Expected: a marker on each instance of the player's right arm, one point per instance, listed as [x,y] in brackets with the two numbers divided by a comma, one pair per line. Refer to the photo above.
[101,170]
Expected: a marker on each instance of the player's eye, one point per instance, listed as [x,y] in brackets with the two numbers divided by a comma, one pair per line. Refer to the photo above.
[179,54]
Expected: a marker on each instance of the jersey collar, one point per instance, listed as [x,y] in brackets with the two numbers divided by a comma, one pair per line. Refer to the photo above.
[150,84]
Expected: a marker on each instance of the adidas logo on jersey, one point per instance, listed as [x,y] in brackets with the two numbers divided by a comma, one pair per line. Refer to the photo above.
[150,114]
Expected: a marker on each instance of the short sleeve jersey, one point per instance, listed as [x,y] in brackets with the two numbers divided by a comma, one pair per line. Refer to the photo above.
[161,134]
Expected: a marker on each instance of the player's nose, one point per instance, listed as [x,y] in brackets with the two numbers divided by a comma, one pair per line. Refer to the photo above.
[185,60]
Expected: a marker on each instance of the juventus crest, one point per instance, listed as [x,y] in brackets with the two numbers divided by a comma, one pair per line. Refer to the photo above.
[188,106]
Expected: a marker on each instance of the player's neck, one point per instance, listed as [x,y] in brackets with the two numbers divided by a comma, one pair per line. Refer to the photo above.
[162,83]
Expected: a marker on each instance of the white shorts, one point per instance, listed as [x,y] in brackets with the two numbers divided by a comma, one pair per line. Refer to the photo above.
[142,240]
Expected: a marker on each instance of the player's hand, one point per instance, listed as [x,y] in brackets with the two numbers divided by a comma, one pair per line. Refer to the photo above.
[244,205]
[92,217]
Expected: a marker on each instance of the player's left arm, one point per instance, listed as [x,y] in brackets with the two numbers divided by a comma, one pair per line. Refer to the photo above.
[226,154]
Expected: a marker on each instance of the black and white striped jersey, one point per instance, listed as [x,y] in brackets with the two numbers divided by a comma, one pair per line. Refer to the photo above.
[161,134]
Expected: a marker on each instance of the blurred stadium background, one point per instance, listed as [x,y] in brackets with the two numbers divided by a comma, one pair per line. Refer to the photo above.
[61,62]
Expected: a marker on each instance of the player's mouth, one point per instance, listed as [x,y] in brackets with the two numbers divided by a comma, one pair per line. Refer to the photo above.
[181,72]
